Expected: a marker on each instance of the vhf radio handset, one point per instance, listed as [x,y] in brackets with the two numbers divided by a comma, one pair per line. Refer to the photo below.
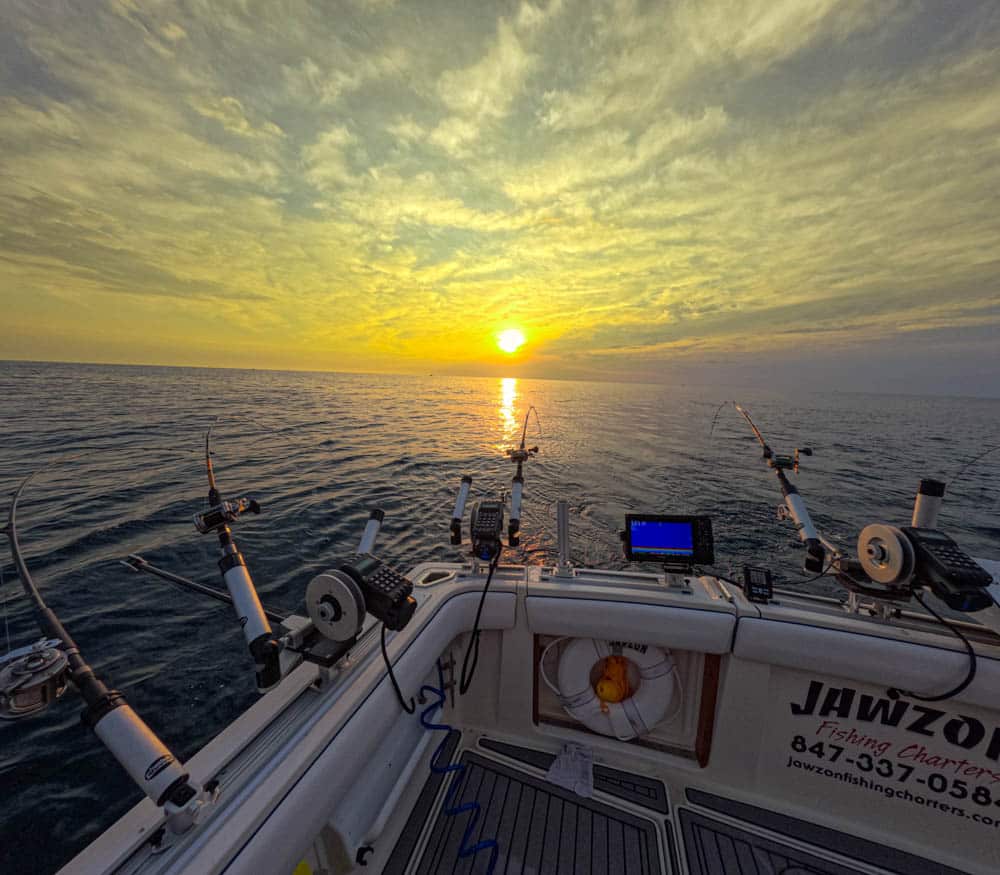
[486,527]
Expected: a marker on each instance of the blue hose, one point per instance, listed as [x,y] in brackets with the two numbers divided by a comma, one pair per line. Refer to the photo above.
[465,850]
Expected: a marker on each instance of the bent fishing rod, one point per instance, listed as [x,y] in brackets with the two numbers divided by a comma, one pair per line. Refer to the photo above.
[264,647]
[519,456]
[795,507]
[140,752]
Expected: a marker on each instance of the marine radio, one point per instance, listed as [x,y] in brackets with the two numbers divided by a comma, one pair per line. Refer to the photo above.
[486,528]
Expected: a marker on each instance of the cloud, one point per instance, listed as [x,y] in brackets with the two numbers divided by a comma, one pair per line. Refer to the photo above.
[484,91]
[326,160]
[229,112]
[632,183]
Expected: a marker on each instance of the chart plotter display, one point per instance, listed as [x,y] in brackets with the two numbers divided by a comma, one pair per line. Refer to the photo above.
[672,540]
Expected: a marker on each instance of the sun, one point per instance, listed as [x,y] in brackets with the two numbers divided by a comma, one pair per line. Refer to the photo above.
[510,340]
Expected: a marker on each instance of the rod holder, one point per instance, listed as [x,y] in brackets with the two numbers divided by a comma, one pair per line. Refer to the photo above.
[514,526]
[459,511]
[927,505]
[563,569]
[372,528]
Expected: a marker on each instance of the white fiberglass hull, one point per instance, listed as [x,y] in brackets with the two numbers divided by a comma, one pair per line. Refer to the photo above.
[785,747]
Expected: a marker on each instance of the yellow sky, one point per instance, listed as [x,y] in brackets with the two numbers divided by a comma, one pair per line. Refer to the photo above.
[387,186]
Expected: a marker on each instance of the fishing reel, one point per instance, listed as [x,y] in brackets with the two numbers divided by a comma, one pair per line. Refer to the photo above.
[32,678]
[520,455]
[224,513]
[783,463]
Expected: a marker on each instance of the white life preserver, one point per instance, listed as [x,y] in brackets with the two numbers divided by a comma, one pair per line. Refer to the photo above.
[635,715]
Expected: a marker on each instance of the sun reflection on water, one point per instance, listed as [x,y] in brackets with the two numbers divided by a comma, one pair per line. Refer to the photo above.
[508,418]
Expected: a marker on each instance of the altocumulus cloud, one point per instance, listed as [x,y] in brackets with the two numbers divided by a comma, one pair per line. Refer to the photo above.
[376,185]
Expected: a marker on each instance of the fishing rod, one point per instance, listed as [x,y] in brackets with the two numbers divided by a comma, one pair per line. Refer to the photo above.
[893,563]
[485,533]
[519,456]
[264,647]
[795,506]
[136,747]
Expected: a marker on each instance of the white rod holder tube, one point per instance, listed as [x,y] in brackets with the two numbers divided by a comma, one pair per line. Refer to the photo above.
[516,492]
[562,538]
[930,496]
[248,608]
[140,752]
[372,528]
[459,511]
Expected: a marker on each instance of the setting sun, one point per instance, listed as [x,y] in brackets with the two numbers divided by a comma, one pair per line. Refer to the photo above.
[510,340]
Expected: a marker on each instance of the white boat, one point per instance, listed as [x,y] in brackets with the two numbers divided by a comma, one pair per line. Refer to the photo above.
[792,734]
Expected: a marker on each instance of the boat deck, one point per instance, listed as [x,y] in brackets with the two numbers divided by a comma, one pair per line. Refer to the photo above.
[538,827]
[625,829]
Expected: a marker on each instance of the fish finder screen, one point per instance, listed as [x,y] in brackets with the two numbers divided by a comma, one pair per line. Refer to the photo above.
[670,539]
[662,538]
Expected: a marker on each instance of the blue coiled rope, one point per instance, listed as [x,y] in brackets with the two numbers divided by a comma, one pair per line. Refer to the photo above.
[440,766]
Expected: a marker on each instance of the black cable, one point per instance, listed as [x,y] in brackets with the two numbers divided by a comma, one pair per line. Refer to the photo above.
[823,573]
[473,646]
[895,693]
[408,708]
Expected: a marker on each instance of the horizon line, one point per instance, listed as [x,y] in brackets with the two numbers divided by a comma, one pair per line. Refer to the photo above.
[644,382]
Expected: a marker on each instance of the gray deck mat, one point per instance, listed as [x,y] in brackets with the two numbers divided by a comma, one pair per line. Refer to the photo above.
[410,836]
[843,844]
[541,829]
[715,848]
[647,792]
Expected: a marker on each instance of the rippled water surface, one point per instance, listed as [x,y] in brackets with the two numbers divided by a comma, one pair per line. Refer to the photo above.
[118,452]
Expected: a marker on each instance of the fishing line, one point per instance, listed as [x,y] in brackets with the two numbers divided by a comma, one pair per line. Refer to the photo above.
[715,418]
[538,422]
[972,462]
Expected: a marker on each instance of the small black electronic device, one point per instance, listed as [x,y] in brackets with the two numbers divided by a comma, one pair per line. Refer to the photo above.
[951,574]
[387,593]
[677,541]
[757,584]
[487,527]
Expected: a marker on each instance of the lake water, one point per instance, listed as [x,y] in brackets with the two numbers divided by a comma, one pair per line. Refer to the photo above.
[119,456]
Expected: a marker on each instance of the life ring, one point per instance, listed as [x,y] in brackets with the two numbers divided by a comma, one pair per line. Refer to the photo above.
[638,712]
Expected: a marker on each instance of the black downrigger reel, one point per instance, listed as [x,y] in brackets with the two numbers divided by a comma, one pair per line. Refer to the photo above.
[893,563]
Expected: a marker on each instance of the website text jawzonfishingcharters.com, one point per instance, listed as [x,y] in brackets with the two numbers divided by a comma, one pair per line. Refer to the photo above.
[892,792]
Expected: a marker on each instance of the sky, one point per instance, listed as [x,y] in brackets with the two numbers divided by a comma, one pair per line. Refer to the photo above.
[772,190]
